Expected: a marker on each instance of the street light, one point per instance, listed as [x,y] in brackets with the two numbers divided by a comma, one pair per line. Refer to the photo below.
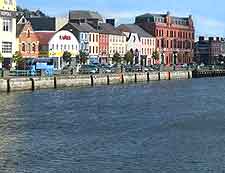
[162,55]
[174,60]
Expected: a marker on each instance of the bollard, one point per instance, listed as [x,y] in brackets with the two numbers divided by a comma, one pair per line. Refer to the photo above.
[55,82]
[135,78]
[122,79]
[8,85]
[148,77]
[159,76]
[92,81]
[108,81]
[32,84]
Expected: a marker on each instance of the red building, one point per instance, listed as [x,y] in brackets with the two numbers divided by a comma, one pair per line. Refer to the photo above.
[174,36]
[27,41]
[103,46]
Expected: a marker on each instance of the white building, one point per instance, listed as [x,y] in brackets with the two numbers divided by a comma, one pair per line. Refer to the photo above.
[7,29]
[63,41]
[139,42]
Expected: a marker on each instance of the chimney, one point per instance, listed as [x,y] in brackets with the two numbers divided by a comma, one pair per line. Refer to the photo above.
[111,21]
[201,38]
[211,38]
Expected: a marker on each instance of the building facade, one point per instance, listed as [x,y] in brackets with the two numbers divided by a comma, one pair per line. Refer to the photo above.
[27,41]
[8,29]
[111,41]
[94,47]
[103,47]
[63,41]
[88,38]
[174,36]
[44,37]
[139,42]
[208,51]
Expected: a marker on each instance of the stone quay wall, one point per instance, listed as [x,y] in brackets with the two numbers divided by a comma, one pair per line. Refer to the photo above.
[35,83]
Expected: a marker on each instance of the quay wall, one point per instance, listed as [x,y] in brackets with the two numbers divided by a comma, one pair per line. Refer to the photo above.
[35,83]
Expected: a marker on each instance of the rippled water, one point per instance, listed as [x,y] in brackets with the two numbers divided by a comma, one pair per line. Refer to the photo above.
[161,127]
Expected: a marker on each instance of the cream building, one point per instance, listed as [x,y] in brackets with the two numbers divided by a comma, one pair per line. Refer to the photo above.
[94,47]
[140,43]
[7,29]
[117,44]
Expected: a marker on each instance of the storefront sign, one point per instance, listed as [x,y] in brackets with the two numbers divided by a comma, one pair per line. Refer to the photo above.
[65,37]
[7,13]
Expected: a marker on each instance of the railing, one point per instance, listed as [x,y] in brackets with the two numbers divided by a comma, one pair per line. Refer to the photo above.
[22,73]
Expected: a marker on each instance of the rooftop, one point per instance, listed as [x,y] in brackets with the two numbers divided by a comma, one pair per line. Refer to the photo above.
[107,28]
[132,28]
[83,14]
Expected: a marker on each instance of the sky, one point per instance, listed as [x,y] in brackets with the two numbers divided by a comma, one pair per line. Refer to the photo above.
[208,15]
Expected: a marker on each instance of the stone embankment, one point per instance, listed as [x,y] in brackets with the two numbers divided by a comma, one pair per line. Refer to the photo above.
[34,83]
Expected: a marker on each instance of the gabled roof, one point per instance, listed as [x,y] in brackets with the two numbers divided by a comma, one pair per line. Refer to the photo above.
[44,37]
[106,28]
[132,28]
[83,14]
[19,29]
[43,23]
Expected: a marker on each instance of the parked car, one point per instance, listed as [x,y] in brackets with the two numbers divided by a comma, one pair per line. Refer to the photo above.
[88,69]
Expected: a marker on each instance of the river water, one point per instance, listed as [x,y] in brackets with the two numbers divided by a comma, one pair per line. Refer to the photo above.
[160,127]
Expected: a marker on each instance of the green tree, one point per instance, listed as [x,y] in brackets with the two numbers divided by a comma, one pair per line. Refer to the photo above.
[116,58]
[155,55]
[67,57]
[1,58]
[83,57]
[129,57]
[17,57]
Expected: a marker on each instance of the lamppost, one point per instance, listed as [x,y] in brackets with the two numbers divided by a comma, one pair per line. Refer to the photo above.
[174,60]
[162,55]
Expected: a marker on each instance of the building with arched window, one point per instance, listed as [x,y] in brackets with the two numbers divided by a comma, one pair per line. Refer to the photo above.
[27,41]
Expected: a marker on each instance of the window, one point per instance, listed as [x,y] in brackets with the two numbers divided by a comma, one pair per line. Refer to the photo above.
[53,46]
[28,33]
[90,38]
[34,46]
[6,47]
[93,38]
[29,47]
[89,49]
[96,38]
[23,47]
[7,25]
[57,47]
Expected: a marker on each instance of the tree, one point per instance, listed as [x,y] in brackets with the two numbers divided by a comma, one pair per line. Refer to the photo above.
[83,57]
[1,58]
[67,57]
[116,58]
[129,57]
[17,57]
[155,55]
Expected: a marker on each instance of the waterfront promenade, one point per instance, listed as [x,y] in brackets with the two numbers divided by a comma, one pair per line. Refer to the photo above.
[33,83]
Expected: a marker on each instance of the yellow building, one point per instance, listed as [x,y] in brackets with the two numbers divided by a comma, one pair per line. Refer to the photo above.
[8,5]
[8,28]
